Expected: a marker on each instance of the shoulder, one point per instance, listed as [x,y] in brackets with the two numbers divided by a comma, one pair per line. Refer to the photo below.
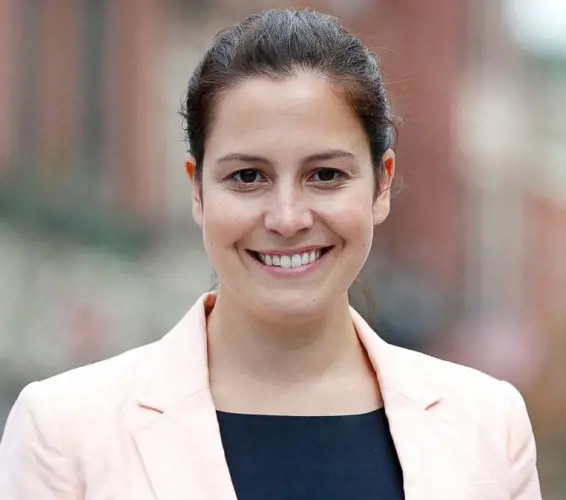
[468,396]
[86,393]
[454,380]
[109,390]
[493,410]
[54,418]
[490,412]
[109,375]
[476,400]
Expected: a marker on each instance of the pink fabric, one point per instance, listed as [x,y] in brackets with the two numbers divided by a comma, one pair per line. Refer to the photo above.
[143,426]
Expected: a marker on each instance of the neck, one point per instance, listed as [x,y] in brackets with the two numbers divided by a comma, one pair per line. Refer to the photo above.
[244,345]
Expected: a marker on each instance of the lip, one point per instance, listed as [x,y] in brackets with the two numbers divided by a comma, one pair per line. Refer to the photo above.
[280,272]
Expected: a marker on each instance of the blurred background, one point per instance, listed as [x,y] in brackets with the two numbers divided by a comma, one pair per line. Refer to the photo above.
[98,251]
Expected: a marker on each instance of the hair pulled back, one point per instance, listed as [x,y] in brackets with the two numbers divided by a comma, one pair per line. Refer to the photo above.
[278,44]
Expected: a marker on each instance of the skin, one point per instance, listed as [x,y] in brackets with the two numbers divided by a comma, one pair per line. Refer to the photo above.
[284,343]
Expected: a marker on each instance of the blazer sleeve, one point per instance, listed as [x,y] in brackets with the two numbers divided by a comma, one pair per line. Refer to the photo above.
[523,474]
[32,463]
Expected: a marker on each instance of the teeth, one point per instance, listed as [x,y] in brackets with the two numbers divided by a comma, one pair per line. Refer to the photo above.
[290,261]
[296,261]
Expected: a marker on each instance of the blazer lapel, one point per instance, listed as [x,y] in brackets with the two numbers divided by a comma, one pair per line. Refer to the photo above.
[179,440]
[426,443]
[183,454]
[428,451]
[180,444]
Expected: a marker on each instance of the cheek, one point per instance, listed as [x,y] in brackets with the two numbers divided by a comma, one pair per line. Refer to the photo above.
[352,219]
[225,220]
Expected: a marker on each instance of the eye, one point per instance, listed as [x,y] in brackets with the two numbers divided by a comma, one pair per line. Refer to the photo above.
[327,175]
[247,176]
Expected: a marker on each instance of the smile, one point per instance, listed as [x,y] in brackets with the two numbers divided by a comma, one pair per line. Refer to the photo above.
[290,261]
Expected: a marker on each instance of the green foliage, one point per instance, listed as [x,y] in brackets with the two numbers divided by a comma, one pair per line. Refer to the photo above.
[68,214]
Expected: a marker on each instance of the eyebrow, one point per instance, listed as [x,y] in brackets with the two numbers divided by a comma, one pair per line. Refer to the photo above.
[331,154]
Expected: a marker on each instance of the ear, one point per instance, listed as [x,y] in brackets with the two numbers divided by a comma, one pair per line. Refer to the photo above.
[382,202]
[190,164]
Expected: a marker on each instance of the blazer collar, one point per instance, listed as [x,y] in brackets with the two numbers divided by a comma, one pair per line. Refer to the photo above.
[180,443]
[181,366]
[396,373]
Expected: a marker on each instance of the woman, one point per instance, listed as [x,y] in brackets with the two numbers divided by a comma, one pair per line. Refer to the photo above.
[273,387]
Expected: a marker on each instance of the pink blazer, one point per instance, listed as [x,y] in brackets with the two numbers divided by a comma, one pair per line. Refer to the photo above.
[142,426]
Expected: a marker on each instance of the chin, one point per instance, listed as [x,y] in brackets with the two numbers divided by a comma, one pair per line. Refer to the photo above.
[293,306]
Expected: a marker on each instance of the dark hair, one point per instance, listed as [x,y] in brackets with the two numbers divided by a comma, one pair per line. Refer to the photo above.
[277,44]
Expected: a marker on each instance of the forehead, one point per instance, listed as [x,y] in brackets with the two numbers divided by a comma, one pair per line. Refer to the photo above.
[304,113]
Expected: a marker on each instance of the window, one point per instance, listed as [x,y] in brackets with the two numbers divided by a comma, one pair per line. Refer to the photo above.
[58,180]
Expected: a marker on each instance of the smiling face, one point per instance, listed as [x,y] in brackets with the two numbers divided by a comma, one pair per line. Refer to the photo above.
[289,201]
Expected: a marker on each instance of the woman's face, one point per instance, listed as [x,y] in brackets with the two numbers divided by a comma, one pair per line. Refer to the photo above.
[288,205]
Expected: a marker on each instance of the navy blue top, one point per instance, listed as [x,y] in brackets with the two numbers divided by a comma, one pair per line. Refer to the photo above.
[311,458]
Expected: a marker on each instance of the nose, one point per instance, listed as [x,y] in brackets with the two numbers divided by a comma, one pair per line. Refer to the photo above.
[288,212]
